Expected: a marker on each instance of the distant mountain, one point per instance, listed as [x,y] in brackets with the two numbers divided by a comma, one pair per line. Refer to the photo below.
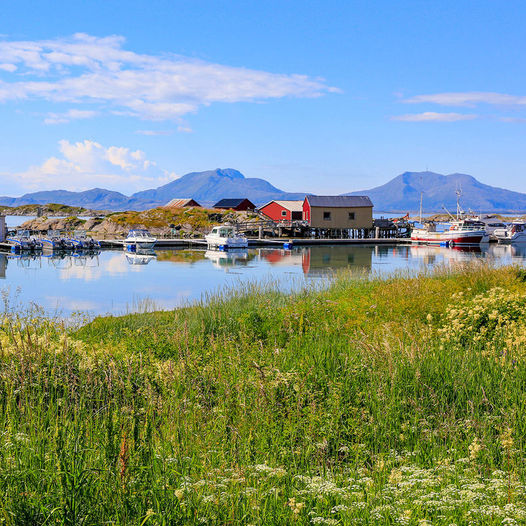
[205,187]
[211,186]
[402,194]
[97,198]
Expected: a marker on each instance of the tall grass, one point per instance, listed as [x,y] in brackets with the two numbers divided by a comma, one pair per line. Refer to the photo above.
[347,405]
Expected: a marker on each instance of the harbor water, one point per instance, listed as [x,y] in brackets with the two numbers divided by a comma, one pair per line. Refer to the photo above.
[115,282]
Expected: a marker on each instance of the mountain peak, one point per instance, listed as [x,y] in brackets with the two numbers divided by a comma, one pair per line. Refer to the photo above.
[229,172]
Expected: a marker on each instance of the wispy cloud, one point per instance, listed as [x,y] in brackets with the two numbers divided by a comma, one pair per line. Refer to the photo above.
[154,132]
[87,69]
[73,114]
[431,116]
[470,98]
[87,164]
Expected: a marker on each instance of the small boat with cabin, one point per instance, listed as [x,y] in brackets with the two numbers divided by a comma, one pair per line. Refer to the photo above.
[82,241]
[56,241]
[513,233]
[139,239]
[224,237]
[23,241]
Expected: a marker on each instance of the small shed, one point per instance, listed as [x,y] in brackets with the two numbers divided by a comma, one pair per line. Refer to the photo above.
[239,204]
[182,202]
[283,210]
[338,211]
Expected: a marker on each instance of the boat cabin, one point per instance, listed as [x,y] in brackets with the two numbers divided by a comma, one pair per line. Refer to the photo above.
[223,231]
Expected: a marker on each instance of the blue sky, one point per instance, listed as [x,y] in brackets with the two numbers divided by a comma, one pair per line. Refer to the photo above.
[325,96]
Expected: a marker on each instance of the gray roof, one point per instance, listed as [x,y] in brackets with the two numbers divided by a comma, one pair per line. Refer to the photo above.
[339,201]
[232,202]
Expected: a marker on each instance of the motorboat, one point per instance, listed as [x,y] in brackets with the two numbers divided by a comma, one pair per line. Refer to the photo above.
[224,237]
[55,240]
[81,241]
[23,241]
[513,233]
[461,232]
[139,239]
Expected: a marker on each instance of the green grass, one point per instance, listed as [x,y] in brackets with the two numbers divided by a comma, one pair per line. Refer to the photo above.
[347,405]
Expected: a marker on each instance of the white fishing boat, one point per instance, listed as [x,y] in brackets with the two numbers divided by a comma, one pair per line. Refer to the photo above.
[139,239]
[513,233]
[462,232]
[225,237]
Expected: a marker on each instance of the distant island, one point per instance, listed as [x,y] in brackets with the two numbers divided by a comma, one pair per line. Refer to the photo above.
[401,194]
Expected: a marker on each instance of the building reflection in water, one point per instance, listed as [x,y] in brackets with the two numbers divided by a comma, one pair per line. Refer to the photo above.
[322,260]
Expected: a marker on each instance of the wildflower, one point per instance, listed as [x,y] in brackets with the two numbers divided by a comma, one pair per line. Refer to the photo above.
[395,476]
[179,493]
[296,507]
[474,449]
[506,440]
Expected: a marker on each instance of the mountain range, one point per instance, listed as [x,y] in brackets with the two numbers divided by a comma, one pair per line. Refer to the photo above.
[205,187]
[401,194]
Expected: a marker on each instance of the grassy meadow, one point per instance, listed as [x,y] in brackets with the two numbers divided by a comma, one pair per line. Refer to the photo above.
[374,401]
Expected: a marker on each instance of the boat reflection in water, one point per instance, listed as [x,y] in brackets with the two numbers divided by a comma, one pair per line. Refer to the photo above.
[58,260]
[432,254]
[225,260]
[140,257]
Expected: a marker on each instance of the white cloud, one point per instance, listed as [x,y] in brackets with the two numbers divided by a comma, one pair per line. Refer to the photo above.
[73,114]
[87,164]
[87,69]
[470,98]
[430,116]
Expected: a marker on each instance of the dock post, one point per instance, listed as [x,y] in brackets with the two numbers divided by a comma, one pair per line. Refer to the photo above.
[377,232]
[260,232]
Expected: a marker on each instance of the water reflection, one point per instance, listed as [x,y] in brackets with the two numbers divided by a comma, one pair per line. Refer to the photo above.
[225,260]
[116,282]
[140,257]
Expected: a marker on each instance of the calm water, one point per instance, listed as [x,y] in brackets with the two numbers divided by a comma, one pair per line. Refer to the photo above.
[115,282]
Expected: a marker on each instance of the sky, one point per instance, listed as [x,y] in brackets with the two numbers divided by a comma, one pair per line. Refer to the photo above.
[317,96]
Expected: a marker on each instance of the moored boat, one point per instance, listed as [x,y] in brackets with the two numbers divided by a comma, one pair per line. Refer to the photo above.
[225,237]
[23,241]
[55,240]
[513,233]
[81,241]
[462,232]
[139,239]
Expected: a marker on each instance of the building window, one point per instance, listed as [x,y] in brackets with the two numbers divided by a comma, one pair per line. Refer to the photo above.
[283,213]
[326,216]
[351,216]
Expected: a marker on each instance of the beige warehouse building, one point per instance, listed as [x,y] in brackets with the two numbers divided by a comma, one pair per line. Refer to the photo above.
[338,211]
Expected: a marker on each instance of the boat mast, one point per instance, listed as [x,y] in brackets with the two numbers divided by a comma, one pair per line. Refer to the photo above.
[459,194]
[421,199]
